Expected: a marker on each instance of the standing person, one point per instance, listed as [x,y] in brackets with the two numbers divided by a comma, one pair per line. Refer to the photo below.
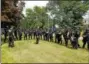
[51,36]
[47,36]
[58,37]
[77,35]
[74,41]
[44,35]
[5,34]
[25,35]
[37,36]
[20,34]
[84,39]
[65,35]
[41,34]
[11,38]
[34,34]
[30,34]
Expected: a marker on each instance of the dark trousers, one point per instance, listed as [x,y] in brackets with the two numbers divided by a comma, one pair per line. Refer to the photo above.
[5,35]
[11,42]
[84,43]
[66,41]
[60,40]
[20,37]
[37,39]
[51,38]
[75,44]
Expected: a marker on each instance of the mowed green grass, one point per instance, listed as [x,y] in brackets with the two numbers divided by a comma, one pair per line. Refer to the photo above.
[26,51]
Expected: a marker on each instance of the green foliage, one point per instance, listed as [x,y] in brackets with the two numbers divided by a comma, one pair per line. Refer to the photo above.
[36,17]
[68,13]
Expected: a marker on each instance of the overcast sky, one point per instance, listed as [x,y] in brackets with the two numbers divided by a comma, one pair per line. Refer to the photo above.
[87,15]
[31,4]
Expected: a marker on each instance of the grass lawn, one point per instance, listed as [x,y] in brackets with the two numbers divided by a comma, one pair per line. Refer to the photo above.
[26,51]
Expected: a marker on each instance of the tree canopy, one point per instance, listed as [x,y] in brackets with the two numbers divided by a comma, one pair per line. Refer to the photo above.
[36,17]
[67,14]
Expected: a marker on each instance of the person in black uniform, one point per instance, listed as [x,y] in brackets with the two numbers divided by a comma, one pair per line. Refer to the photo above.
[30,34]
[77,35]
[41,34]
[58,37]
[34,34]
[51,36]
[44,35]
[65,35]
[5,34]
[25,35]
[20,34]
[37,36]
[47,36]
[11,38]
[74,41]
[86,39]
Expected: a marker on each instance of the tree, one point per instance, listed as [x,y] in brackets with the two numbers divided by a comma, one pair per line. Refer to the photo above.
[68,13]
[36,17]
